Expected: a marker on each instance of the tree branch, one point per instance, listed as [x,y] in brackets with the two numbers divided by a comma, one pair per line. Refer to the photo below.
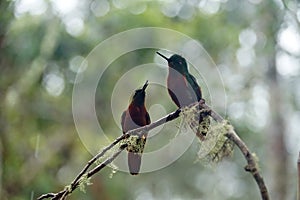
[252,166]
[62,194]
[93,171]
[68,190]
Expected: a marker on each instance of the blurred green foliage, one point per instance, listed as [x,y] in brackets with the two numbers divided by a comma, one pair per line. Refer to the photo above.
[42,44]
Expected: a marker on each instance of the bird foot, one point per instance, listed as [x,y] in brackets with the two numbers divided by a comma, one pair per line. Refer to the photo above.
[202,101]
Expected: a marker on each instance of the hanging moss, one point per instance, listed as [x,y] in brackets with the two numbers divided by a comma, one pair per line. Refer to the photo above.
[214,145]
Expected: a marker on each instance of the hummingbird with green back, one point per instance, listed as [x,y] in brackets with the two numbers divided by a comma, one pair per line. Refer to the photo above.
[184,89]
[182,86]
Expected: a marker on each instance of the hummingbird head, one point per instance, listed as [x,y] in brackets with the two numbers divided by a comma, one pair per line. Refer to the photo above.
[139,95]
[176,62]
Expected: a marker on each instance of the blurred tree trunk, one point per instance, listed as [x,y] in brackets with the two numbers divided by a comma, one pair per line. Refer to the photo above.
[276,150]
[5,19]
[276,134]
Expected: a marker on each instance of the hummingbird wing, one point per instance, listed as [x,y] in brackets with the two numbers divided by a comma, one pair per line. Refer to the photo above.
[148,120]
[192,81]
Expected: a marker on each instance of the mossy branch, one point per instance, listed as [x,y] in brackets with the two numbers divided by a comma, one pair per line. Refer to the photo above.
[83,179]
[252,166]
[75,183]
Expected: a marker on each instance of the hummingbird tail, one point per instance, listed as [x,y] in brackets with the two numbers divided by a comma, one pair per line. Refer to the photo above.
[134,163]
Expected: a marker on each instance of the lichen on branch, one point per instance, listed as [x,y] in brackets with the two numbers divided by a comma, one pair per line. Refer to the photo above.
[222,134]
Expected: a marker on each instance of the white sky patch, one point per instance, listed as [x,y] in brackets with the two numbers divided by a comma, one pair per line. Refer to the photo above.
[121,4]
[258,109]
[171,9]
[54,83]
[245,56]
[261,103]
[78,64]
[247,38]
[209,7]
[293,138]
[100,8]
[289,40]
[33,7]
[74,26]
[186,12]
[65,7]
[287,65]
[138,8]
[236,110]
[72,13]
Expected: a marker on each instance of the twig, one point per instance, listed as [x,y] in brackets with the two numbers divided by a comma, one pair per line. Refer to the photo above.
[298,164]
[252,166]
[94,171]
[213,114]
[102,165]
[62,194]
[68,190]
[163,120]
[95,158]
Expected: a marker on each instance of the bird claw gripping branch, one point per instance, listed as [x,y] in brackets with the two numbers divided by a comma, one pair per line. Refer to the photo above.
[136,144]
[198,119]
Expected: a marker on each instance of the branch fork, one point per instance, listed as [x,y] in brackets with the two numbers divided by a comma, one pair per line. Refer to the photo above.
[252,165]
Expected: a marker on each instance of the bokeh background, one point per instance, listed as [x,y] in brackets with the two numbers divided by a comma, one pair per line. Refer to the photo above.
[254,43]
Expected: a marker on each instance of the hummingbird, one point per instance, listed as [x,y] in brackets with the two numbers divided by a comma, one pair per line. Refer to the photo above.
[134,117]
[182,86]
[184,90]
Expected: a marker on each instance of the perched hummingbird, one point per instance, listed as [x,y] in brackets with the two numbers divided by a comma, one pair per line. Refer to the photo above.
[184,90]
[182,86]
[134,117]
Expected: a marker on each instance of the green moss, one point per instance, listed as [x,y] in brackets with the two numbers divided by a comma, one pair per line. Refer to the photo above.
[84,181]
[68,188]
[197,119]
[135,143]
[216,145]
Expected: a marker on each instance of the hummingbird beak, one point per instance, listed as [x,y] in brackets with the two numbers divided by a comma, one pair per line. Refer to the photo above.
[145,86]
[163,56]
